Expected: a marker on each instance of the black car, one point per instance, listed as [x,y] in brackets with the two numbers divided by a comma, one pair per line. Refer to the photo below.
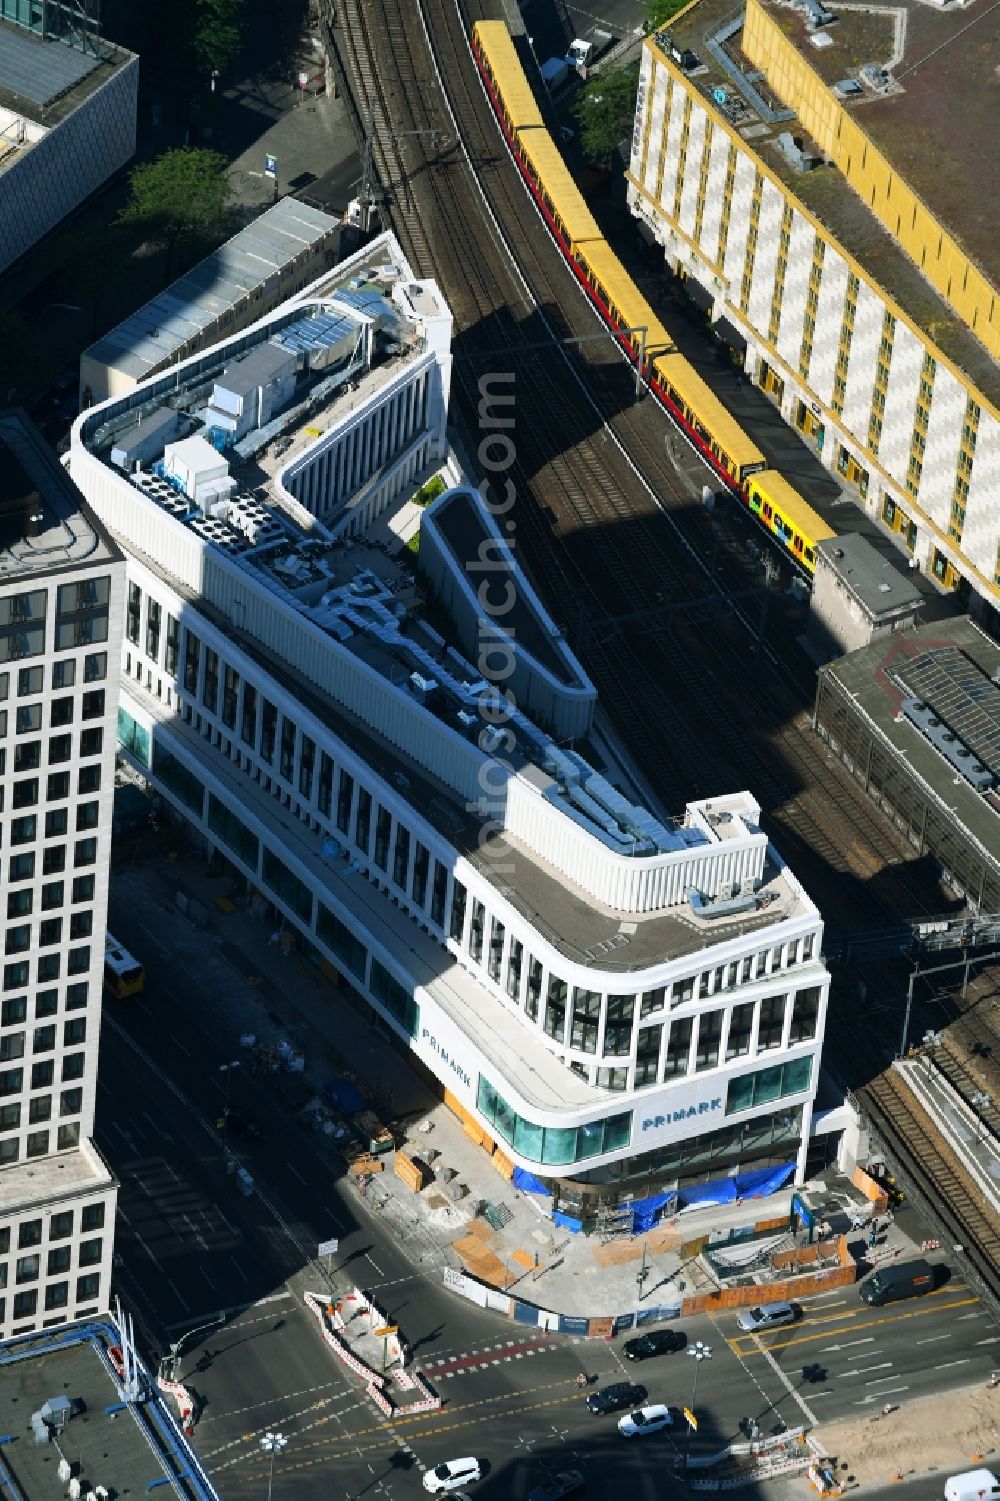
[242,1126]
[656,1342]
[567,1483]
[614,1398]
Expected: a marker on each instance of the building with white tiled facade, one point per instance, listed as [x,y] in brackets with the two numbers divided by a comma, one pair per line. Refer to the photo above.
[62,583]
[603,995]
[860,281]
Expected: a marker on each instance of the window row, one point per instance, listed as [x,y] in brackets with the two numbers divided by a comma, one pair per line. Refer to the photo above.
[61,1224]
[48,967]
[14,1009]
[552,1145]
[56,1296]
[27,754]
[52,861]
[28,1268]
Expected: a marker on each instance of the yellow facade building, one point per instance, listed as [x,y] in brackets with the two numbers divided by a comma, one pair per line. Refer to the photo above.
[803,165]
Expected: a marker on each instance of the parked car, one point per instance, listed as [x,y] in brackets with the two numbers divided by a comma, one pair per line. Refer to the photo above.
[656,1342]
[645,1420]
[766,1316]
[450,1475]
[614,1398]
[566,1483]
[244,1127]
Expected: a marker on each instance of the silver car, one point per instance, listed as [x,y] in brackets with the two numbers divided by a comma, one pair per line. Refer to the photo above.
[766,1316]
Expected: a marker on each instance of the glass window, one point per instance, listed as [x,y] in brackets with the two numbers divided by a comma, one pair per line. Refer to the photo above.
[678,1047]
[383,826]
[749,1091]
[84,852]
[233,832]
[401,856]
[173,646]
[559,1144]
[286,885]
[740,1031]
[586,1015]
[394,997]
[133,613]
[30,680]
[514,957]
[268,730]
[555,1009]
[230,694]
[210,682]
[618,1027]
[324,792]
[528,1139]
[29,1234]
[286,754]
[56,1295]
[89,779]
[60,712]
[612,1078]
[14,1011]
[153,618]
[92,741]
[56,822]
[19,902]
[40,1109]
[342,942]
[653,1000]
[46,1003]
[28,755]
[92,1217]
[88,1286]
[805,1016]
[362,819]
[11,1046]
[458,899]
[57,786]
[22,867]
[647,1055]
[476,924]
[439,893]
[421,865]
[533,994]
[307,761]
[95,667]
[90,1251]
[68,1136]
[92,704]
[61,1225]
[709,1039]
[61,748]
[345,797]
[54,859]
[36,1144]
[192,661]
[42,1075]
[772,1023]
[71,1102]
[25,1304]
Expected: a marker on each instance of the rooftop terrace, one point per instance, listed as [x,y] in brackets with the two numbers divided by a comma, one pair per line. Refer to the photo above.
[962,169]
[43,81]
[44,524]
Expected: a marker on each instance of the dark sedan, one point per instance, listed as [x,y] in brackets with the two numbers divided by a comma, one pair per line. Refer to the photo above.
[242,1126]
[656,1342]
[614,1398]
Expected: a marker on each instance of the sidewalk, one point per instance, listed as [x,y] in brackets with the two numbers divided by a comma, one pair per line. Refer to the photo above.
[470,1218]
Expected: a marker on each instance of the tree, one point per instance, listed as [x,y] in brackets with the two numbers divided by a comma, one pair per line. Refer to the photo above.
[604,110]
[179,196]
[218,33]
[659,12]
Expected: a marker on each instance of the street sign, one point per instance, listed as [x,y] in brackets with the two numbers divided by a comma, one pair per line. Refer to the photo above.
[328,1247]
[384,1332]
[692,1420]
[270,165]
[303,80]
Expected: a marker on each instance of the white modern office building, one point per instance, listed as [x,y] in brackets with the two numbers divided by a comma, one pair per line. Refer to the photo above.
[62,594]
[68,101]
[610,996]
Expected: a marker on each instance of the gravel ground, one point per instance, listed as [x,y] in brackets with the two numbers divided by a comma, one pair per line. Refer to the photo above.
[945,1432]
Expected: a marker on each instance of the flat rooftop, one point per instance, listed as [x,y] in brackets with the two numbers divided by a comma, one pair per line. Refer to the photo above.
[50,1178]
[45,526]
[128,1453]
[45,80]
[145,341]
[937,121]
[826,193]
[873,679]
[870,576]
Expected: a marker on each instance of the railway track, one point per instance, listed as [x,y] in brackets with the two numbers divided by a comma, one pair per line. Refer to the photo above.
[932,1172]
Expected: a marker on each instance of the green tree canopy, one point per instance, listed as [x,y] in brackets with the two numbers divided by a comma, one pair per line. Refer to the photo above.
[604,111]
[659,12]
[179,196]
[218,33]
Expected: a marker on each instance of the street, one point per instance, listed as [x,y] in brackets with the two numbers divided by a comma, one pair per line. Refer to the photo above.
[194,1247]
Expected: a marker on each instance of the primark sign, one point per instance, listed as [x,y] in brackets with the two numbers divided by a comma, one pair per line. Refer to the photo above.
[688,1113]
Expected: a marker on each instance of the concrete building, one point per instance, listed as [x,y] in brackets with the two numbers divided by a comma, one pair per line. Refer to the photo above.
[790,159]
[857,596]
[68,103]
[283,250]
[604,996]
[916,719]
[62,583]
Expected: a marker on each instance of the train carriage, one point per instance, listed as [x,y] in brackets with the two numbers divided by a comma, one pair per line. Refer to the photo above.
[504,77]
[618,297]
[787,516]
[714,429]
[557,194]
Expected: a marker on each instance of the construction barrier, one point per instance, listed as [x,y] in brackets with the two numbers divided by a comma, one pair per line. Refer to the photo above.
[317,1306]
[184,1400]
[872,1190]
[787,1290]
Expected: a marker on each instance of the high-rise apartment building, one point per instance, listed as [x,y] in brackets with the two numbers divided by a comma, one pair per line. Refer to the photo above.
[823,178]
[62,583]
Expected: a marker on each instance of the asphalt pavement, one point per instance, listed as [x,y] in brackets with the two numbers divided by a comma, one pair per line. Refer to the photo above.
[194,1247]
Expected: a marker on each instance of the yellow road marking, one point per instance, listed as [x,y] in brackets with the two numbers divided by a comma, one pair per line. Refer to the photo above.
[755,1348]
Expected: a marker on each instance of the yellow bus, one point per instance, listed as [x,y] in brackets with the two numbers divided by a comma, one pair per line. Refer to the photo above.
[123,975]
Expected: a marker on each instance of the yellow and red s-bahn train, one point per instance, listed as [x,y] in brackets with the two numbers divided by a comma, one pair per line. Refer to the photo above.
[673,380]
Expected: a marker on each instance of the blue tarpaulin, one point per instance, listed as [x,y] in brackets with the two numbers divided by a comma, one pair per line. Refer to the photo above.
[567,1222]
[344,1095]
[756,1185]
[528,1183]
[645,1212]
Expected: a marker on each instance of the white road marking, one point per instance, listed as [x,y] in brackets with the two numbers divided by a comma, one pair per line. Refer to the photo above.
[879,1380]
[877,1397]
[207,1278]
[239,1269]
[296,1174]
[863,1370]
[177,1043]
[932,1339]
[862,1354]
[847,1344]
[237,1308]
[179,1296]
[949,1363]
[148,1252]
[790,1389]
[160,1131]
[375,1265]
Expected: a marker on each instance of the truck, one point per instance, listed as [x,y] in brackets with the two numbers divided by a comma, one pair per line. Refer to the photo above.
[889,1284]
[972,1485]
[554,72]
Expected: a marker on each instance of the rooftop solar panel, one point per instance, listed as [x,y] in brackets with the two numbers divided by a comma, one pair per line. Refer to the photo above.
[961,696]
[38,70]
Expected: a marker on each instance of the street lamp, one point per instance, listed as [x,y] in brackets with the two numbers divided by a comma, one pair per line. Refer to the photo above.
[272,1443]
[642,1273]
[227,1069]
[171,1360]
[931,1041]
[980,1101]
[698,1352]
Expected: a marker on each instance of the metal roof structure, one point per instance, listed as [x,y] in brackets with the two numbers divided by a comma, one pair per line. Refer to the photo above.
[147,340]
[40,70]
[959,693]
